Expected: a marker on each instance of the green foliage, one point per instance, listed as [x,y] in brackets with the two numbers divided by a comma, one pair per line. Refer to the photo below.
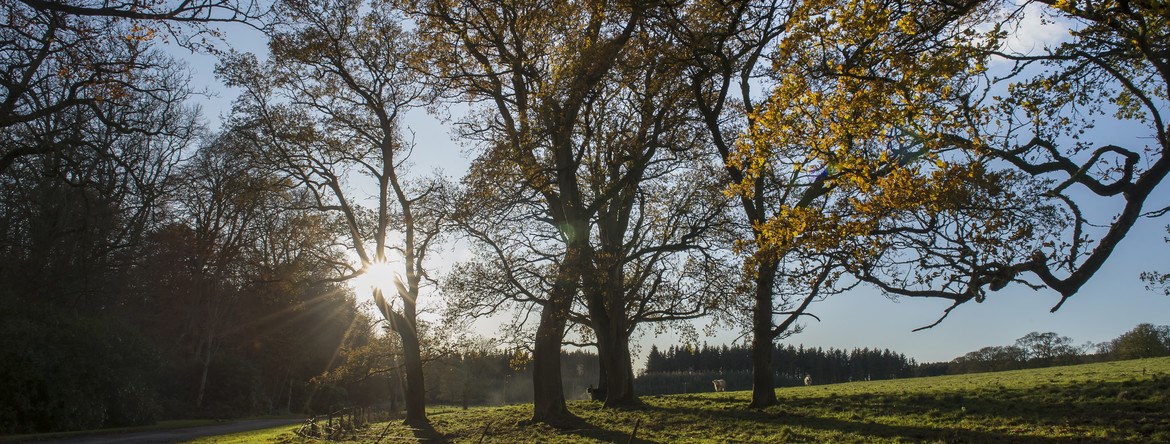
[1144,341]
[990,359]
[75,374]
[1047,346]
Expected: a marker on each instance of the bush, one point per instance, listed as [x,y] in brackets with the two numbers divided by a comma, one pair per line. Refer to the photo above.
[74,374]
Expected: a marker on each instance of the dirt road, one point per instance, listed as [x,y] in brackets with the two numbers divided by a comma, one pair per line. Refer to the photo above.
[178,435]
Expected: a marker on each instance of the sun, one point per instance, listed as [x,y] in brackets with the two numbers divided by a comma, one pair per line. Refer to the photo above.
[378,275]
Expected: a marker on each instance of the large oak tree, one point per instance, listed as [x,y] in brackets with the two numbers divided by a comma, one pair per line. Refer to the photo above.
[974,165]
[329,102]
[534,67]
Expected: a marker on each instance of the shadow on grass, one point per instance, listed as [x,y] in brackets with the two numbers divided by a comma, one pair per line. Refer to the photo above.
[427,433]
[868,429]
[607,435]
[1136,408]
[585,428]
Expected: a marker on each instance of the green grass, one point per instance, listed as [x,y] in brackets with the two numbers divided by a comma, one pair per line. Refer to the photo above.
[1125,401]
[280,434]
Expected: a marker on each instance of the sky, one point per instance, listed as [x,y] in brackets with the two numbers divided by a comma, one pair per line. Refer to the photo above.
[1113,302]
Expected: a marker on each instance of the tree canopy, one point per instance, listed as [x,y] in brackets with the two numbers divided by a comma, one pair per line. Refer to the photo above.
[636,166]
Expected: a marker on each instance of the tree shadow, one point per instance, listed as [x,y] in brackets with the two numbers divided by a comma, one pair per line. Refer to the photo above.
[608,435]
[1136,406]
[1130,403]
[578,426]
[565,421]
[870,429]
[426,433]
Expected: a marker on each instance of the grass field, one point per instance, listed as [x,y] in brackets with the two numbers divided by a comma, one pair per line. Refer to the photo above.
[1127,401]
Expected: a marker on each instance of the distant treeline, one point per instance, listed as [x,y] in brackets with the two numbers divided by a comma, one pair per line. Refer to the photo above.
[684,368]
[496,379]
[1036,350]
[493,377]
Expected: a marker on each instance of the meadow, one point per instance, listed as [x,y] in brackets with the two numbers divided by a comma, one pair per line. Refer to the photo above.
[1124,401]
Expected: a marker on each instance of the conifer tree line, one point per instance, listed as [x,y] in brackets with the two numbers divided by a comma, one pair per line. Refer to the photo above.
[680,369]
[686,368]
[636,166]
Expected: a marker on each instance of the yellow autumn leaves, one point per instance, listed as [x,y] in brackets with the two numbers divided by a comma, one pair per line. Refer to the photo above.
[863,115]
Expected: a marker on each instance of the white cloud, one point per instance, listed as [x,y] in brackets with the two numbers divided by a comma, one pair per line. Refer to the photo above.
[1034,30]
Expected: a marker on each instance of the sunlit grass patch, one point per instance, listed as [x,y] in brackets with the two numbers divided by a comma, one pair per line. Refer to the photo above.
[279,434]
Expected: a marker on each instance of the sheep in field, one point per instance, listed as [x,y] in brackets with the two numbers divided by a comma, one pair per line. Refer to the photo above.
[807,379]
[720,385]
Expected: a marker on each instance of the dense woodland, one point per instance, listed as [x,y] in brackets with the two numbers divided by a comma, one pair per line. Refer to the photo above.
[637,166]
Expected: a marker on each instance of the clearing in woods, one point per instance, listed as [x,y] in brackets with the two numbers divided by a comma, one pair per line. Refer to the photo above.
[1125,401]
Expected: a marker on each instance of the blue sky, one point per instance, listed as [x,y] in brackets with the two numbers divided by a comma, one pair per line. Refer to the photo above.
[1113,302]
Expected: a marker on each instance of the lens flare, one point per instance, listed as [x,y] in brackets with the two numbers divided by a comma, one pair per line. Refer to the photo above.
[378,275]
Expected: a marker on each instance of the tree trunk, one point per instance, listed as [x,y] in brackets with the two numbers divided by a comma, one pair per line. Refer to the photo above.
[548,395]
[394,384]
[763,388]
[416,414]
[602,365]
[288,400]
[615,366]
[206,367]
[619,372]
[607,309]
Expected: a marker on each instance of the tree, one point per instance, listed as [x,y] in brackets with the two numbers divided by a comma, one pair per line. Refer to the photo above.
[93,57]
[299,318]
[329,100]
[660,209]
[909,109]
[991,359]
[369,369]
[1047,347]
[1144,341]
[197,11]
[219,199]
[77,206]
[652,204]
[656,361]
[534,67]
[92,127]
[727,45]
[237,249]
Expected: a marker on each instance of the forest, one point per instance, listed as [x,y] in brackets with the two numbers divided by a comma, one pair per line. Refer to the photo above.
[637,167]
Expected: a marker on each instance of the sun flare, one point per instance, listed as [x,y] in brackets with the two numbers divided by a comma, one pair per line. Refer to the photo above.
[377,275]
